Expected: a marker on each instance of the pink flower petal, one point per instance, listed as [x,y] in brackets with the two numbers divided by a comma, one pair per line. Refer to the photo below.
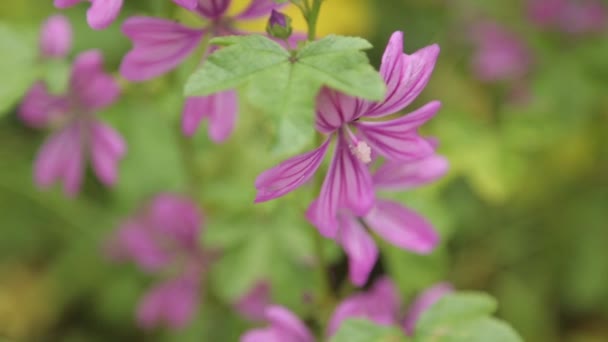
[394,175]
[397,139]
[61,158]
[55,37]
[187,4]
[90,85]
[424,302]
[289,175]
[287,325]
[347,185]
[380,304]
[262,335]
[254,303]
[359,246]
[405,75]
[258,8]
[177,218]
[212,9]
[335,109]
[221,109]
[159,45]
[136,241]
[107,149]
[39,108]
[66,3]
[103,12]
[172,303]
[402,227]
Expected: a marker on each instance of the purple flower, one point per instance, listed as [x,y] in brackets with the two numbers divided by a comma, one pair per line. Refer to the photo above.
[101,13]
[393,222]
[164,237]
[80,135]
[348,184]
[160,45]
[55,37]
[382,305]
[254,303]
[569,16]
[499,54]
[284,327]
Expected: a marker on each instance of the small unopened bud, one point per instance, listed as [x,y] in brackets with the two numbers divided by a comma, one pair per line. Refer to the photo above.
[279,25]
[363,152]
[55,37]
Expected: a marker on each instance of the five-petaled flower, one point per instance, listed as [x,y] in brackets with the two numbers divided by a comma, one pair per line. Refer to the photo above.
[164,238]
[348,183]
[80,135]
[101,13]
[160,45]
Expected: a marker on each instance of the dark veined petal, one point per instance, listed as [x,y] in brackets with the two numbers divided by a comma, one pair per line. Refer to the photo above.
[335,109]
[159,45]
[258,9]
[398,139]
[405,75]
[289,175]
[347,185]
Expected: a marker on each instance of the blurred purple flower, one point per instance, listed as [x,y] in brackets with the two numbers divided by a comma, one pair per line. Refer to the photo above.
[382,305]
[392,221]
[160,45]
[254,303]
[569,16]
[55,37]
[348,184]
[164,237]
[423,302]
[499,54]
[284,327]
[80,134]
[101,13]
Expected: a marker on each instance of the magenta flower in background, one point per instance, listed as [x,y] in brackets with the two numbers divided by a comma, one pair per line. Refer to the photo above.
[348,184]
[254,303]
[423,302]
[499,54]
[55,37]
[79,135]
[392,221]
[569,16]
[101,13]
[382,305]
[160,45]
[284,327]
[164,238]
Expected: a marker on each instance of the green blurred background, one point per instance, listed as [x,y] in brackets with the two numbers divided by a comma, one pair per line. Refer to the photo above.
[523,212]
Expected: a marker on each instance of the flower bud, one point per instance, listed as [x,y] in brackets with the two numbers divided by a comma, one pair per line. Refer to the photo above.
[279,25]
[55,37]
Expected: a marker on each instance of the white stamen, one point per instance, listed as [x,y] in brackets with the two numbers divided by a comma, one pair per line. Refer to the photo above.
[362,151]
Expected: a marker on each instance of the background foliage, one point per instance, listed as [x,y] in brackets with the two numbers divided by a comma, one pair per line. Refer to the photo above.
[522,212]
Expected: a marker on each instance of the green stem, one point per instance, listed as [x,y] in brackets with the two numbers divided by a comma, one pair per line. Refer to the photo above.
[312,18]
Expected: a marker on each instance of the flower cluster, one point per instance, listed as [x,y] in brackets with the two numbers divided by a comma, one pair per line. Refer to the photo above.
[164,238]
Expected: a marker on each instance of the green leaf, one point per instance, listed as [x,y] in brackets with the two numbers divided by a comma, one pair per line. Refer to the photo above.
[283,84]
[360,330]
[463,317]
[16,67]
